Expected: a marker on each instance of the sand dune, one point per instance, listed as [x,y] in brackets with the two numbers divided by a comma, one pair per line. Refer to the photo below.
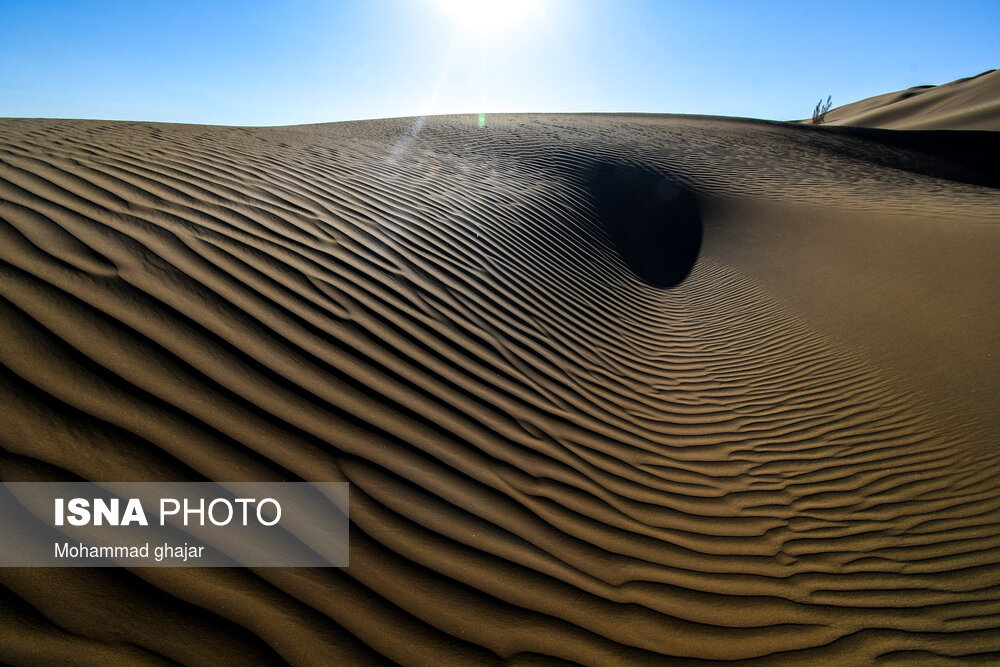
[760,427]
[972,103]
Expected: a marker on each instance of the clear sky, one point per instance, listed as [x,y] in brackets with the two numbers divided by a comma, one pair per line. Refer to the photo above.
[283,62]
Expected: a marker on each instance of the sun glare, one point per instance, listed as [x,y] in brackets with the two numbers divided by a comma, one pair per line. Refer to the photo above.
[490,17]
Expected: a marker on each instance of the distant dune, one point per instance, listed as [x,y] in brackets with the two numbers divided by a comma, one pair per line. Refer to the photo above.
[967,104]
[609,389]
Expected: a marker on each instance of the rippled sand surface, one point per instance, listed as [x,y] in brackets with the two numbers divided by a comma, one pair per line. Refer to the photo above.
[609,389]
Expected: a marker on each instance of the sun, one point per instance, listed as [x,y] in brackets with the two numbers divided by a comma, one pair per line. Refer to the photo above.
[487,18]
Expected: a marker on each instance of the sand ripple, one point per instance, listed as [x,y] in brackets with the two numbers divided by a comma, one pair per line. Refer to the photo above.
[550,457]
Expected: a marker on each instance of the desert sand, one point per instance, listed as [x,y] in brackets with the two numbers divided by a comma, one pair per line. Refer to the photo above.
[609,389]
[972,103]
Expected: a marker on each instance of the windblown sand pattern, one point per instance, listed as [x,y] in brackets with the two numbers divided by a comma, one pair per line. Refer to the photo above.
[786,455]
[972,103]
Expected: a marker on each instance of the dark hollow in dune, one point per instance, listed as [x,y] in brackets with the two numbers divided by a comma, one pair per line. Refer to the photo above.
[653,221]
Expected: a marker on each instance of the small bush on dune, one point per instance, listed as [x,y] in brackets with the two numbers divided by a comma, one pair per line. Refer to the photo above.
[819,113]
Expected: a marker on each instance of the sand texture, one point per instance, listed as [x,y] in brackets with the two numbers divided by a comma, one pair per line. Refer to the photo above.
[966,104]
[609,389]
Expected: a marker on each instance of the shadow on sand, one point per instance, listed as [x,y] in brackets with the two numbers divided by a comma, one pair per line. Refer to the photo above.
[653,221]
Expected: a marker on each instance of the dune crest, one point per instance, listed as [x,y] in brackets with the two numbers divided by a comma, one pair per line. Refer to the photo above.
[971,103]
[780,448]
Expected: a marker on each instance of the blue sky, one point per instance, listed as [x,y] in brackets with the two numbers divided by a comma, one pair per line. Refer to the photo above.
[275,63]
